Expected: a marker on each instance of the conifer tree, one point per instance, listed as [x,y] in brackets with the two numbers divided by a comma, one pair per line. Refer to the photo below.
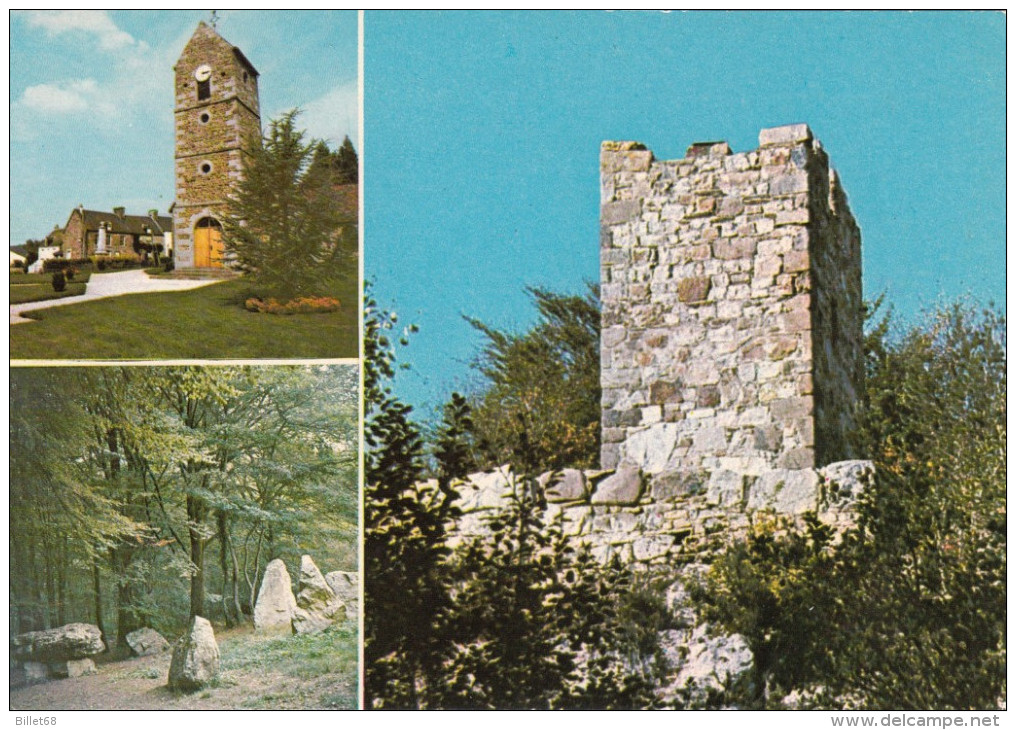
[281,228]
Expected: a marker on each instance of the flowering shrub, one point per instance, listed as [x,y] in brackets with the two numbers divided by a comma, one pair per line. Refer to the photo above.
[303,305]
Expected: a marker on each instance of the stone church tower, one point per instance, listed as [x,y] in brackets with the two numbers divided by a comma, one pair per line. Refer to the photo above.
[217,116]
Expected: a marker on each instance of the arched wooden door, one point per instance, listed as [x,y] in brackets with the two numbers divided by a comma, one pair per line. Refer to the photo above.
[208,243]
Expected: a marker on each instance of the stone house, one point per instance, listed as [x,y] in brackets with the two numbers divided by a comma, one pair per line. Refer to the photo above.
[94,232]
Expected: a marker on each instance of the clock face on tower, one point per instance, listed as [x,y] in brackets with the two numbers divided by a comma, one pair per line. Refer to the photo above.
[203,72]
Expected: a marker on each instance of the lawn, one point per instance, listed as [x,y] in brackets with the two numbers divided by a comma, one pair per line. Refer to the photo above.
[205,323]
[39,287]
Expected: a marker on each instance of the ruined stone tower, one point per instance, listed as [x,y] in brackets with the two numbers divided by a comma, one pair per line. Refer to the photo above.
[217,117]
[732,312]
[731,355]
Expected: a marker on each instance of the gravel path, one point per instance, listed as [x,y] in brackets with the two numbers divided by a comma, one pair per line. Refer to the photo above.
[102,286]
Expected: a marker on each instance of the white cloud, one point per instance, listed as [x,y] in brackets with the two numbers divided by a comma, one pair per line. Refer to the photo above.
[333,115]
[62,98]
[94,22]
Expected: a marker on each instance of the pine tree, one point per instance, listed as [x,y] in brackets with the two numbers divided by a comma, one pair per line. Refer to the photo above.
[347,164]
[281,229]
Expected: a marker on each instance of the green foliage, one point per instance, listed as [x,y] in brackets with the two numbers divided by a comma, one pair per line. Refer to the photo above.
[283,226]
[907,611]
[342,165]
[513,619]
[541,399]
[406,598]
[538,625]
[172,488]
[452,447]
[59,281]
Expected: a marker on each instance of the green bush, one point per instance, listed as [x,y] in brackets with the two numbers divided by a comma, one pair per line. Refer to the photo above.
[59,281]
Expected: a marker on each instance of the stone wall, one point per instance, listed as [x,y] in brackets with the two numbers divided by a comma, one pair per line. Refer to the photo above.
[731,316]
[617,513]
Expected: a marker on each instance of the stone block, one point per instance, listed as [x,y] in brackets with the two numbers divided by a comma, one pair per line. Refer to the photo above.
[786,491]
[725,488]
[622,487]
[798,216]
[735,248]
[710,440]
[621,211]
[785,409]
[789,184]
[567,485]
[799,458]
[72,668]
[673,485]
[649,548]
[708,396]
[796,261]
[787,134]
[35,671]
[693,289]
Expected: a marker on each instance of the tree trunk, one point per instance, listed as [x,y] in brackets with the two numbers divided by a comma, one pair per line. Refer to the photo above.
[61,585]
[126,615]
[50,610]
[195,512]
[97,596]
[222,522]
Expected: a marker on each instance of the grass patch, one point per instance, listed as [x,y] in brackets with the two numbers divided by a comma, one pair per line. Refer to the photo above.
[19,278]
[324,663]
[209,322]
[42,291]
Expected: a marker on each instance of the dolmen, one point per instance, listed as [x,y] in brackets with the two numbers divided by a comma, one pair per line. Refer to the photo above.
[66,651]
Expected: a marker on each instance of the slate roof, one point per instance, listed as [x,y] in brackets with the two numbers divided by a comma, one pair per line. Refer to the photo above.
[126,224]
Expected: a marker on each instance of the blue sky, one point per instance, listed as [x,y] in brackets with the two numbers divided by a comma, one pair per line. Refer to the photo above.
[483,134]
[91,95]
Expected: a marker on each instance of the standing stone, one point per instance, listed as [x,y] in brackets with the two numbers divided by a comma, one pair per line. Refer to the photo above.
[317,606]
[146,641]
[195,660]
[274,608]
[346,586]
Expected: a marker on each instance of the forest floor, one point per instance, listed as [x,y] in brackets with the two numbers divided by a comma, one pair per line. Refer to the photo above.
[256,672]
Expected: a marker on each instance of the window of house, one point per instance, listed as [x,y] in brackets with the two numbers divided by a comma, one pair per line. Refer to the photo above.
[204,89]
[205,167]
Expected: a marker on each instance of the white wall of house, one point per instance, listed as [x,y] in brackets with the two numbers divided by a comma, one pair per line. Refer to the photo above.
[45,253]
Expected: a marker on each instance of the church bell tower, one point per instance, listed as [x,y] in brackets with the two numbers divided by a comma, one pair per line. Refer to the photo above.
[216,119]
